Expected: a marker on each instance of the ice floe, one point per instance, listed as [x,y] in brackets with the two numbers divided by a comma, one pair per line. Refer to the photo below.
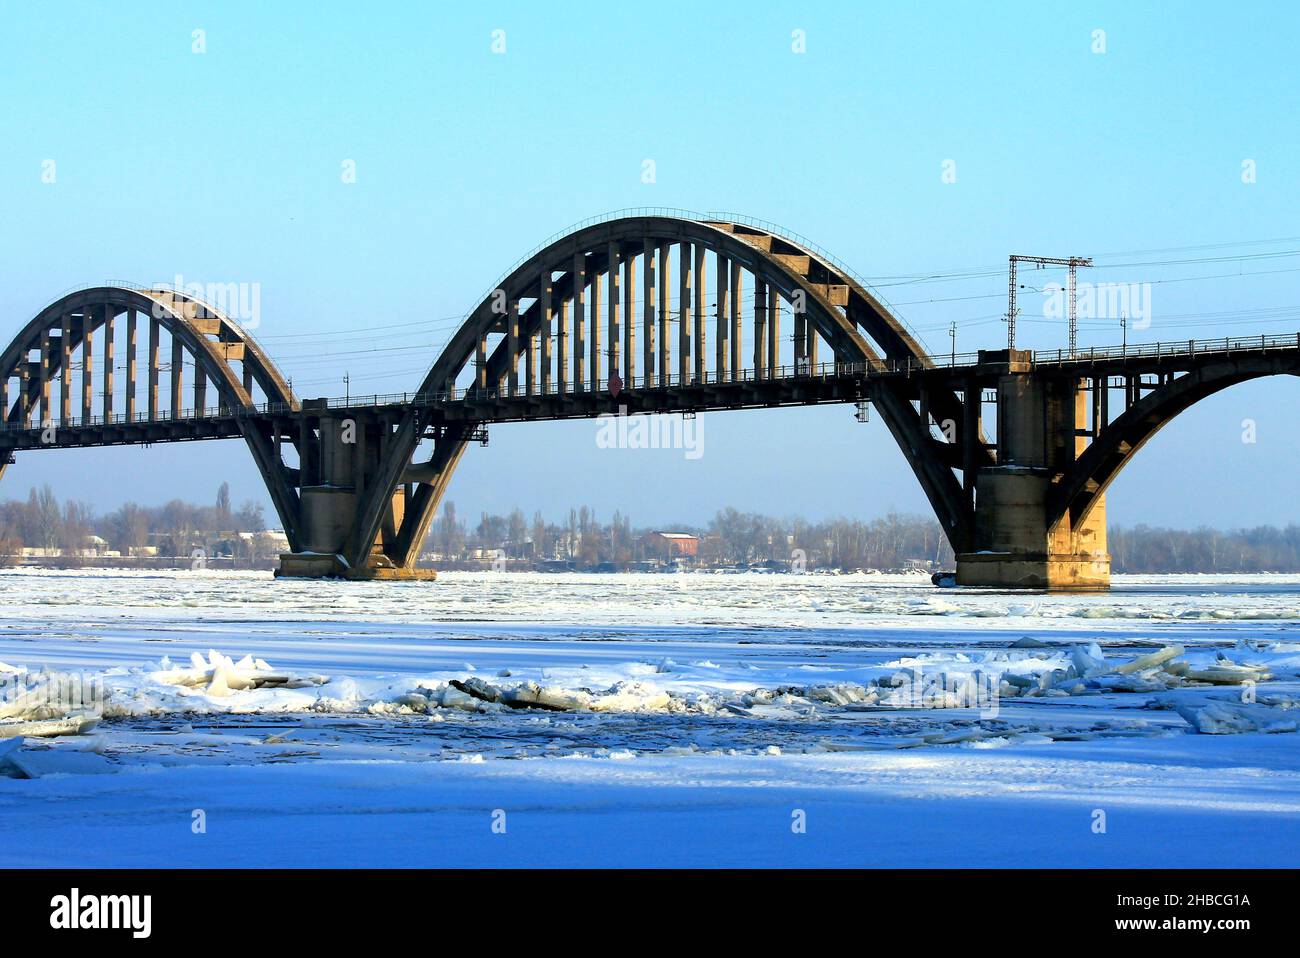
[1223,718]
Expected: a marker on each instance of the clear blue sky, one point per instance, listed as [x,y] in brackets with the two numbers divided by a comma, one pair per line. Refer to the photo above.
[225,166]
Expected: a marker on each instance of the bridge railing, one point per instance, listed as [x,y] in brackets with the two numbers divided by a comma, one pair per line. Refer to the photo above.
[1162,349]
[803,370]
[906,367]
[1189,347]
[675,380]
[216,413]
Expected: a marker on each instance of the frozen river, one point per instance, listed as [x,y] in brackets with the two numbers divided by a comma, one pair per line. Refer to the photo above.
[698,719]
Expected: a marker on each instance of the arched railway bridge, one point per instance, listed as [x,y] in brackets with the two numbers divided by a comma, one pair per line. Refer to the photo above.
[649,313]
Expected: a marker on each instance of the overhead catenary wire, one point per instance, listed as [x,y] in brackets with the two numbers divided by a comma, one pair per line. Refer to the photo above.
[369,350]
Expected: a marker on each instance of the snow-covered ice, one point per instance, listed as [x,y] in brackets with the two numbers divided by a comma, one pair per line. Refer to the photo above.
[646,720]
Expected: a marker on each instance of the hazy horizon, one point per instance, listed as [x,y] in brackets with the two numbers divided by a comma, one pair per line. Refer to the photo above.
[469,509]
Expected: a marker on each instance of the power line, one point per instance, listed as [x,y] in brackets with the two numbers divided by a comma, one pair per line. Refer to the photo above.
[995,269]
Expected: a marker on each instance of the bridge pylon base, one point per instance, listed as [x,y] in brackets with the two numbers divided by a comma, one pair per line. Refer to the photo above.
[1017,549]
[1011,570]
[323,565]
[1043,426]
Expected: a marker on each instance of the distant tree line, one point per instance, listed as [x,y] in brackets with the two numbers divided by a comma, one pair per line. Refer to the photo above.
[731,538]
[1144,548]
[42,522]
[581,540]
[894,541]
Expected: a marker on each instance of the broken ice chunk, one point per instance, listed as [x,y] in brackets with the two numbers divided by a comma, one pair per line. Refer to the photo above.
[1088,662]
[1150,660]
[1226,718]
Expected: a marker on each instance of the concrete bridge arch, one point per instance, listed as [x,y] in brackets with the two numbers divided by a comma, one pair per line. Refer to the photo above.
[617,279]
[206,377]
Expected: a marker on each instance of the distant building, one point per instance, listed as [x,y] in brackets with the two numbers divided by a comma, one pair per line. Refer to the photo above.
[672,546]
[91,546]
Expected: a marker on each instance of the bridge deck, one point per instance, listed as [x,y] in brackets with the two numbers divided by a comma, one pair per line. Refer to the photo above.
[782,386]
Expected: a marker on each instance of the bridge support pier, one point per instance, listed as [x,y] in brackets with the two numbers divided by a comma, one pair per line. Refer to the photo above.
[343,450]
[1042,428]
[1017,550]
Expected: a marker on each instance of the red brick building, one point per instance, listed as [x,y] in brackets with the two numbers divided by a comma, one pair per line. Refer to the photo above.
[672,545]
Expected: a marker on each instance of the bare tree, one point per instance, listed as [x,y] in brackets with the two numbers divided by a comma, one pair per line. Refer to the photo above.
[49,521]
[75,527]
[223,507]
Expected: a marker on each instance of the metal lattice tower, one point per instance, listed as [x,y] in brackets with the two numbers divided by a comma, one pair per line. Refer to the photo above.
[1073,262]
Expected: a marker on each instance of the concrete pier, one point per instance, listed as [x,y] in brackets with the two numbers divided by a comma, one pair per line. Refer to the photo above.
[344,448]
[1042,428]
